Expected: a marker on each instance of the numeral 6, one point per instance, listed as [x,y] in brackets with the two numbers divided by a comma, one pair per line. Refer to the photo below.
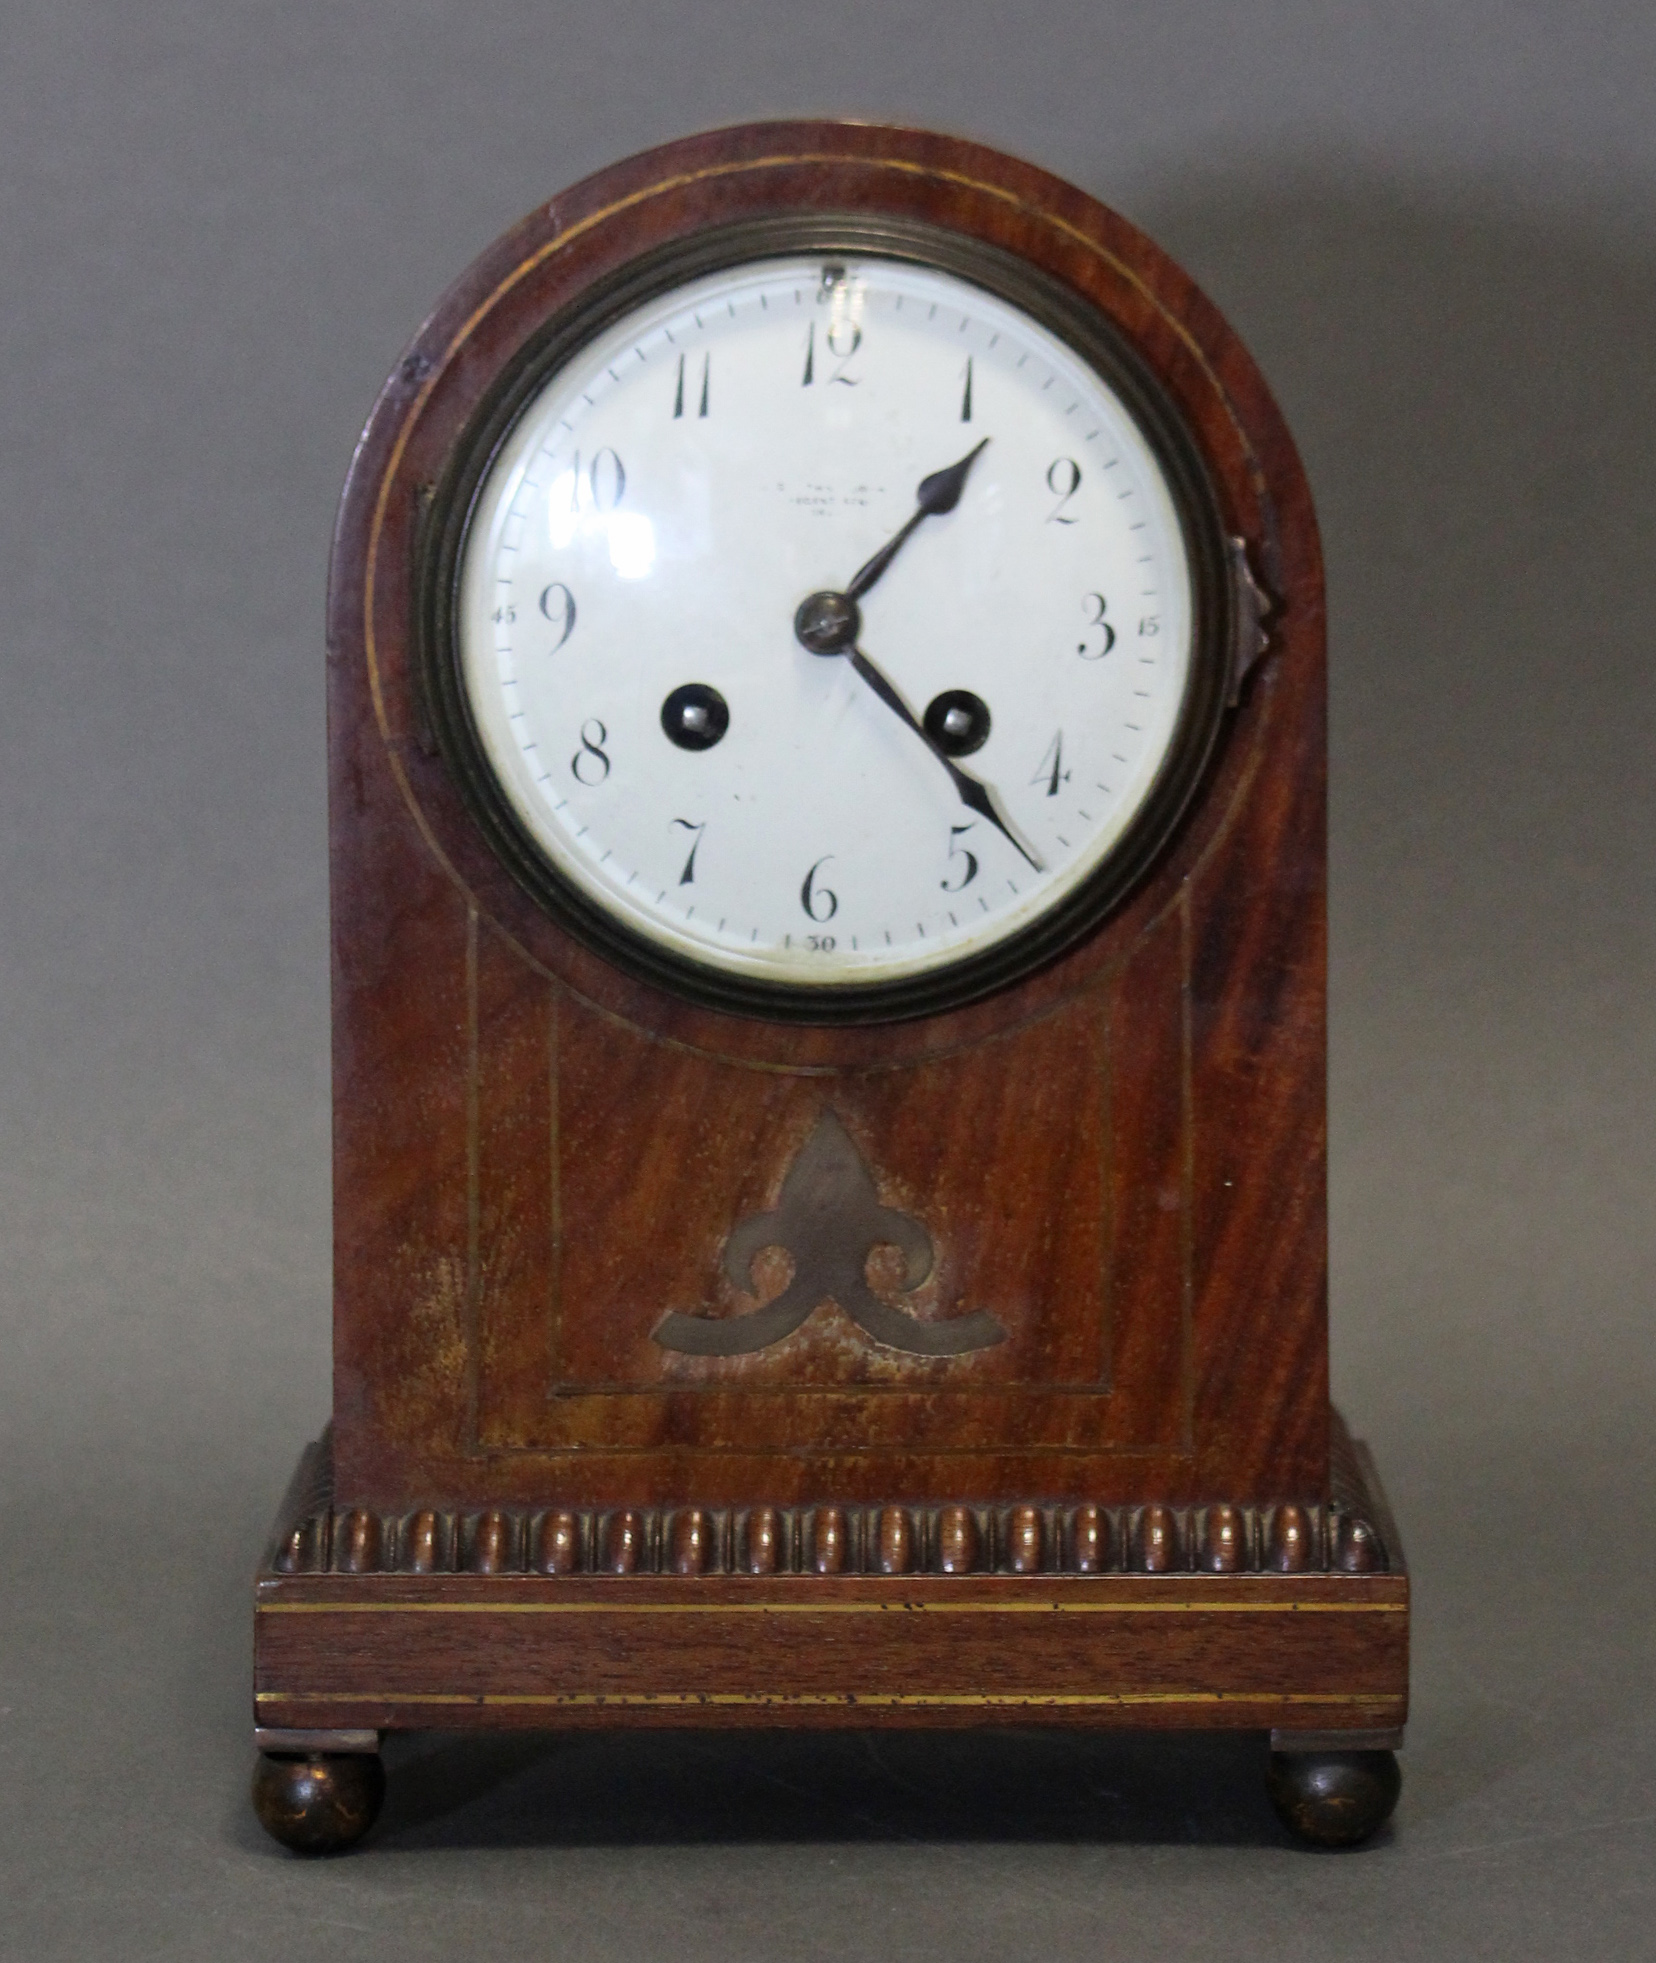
[818,901]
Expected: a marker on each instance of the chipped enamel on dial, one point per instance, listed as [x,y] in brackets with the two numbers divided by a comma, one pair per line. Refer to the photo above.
[629,581]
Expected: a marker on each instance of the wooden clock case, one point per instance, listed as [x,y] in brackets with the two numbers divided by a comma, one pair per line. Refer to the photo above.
[1138,1508]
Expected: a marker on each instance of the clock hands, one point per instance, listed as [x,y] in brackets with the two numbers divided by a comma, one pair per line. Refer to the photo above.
[828,623]
[972,792]
[938,493]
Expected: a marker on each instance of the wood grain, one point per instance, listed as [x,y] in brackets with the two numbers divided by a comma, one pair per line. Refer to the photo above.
[536,1156]
[833,1616]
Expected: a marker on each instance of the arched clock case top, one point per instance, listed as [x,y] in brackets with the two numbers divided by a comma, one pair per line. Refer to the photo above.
[543,291]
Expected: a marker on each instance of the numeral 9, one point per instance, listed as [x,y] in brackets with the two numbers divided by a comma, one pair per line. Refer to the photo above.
[557,603]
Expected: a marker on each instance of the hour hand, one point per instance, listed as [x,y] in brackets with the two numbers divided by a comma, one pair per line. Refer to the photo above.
[974,794]
[938,493]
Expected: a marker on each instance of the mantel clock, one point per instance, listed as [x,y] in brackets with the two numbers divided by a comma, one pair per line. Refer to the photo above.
[827,835]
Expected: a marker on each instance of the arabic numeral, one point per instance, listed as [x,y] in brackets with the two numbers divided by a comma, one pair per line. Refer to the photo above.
[1087,649]
[819,902]
[1050,771]
[688,876]
[968,868]
[608,480]
[605,481]
[842,339]
[1063,480]
[557,603]
[678,393]
[590,764]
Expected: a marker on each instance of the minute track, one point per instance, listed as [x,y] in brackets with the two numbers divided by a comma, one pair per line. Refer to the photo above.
[676,562]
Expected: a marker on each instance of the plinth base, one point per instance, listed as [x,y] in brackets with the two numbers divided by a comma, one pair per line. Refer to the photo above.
[1290,1619]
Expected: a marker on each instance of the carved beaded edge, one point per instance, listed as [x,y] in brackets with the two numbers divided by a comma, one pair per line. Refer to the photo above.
[1346,1536]
[1288,1538]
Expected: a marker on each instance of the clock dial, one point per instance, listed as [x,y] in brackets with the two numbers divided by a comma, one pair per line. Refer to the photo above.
[826,623]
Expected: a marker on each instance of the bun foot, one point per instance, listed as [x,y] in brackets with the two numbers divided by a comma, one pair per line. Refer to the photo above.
[319,1804]
[1333,1799]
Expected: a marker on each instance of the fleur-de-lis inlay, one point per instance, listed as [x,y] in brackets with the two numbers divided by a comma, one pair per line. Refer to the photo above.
[830,1220]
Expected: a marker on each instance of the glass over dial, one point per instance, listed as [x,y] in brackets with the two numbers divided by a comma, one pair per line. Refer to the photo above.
[826,623]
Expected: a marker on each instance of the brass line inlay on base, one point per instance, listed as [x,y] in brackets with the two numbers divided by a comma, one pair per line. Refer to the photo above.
[968,1698]
[832,1608]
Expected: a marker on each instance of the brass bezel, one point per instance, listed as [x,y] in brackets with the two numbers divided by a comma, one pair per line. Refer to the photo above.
[1089,333]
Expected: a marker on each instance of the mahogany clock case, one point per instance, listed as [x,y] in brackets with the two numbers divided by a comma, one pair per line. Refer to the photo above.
[530,1510]
[537,1152]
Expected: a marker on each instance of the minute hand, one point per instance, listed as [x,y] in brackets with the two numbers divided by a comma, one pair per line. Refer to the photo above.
[938,493]
[974,795]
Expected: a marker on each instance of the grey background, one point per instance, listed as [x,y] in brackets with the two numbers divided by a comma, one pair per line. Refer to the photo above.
[1436,227]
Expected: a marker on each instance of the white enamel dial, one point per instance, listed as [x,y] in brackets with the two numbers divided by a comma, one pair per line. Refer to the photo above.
[642,542]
